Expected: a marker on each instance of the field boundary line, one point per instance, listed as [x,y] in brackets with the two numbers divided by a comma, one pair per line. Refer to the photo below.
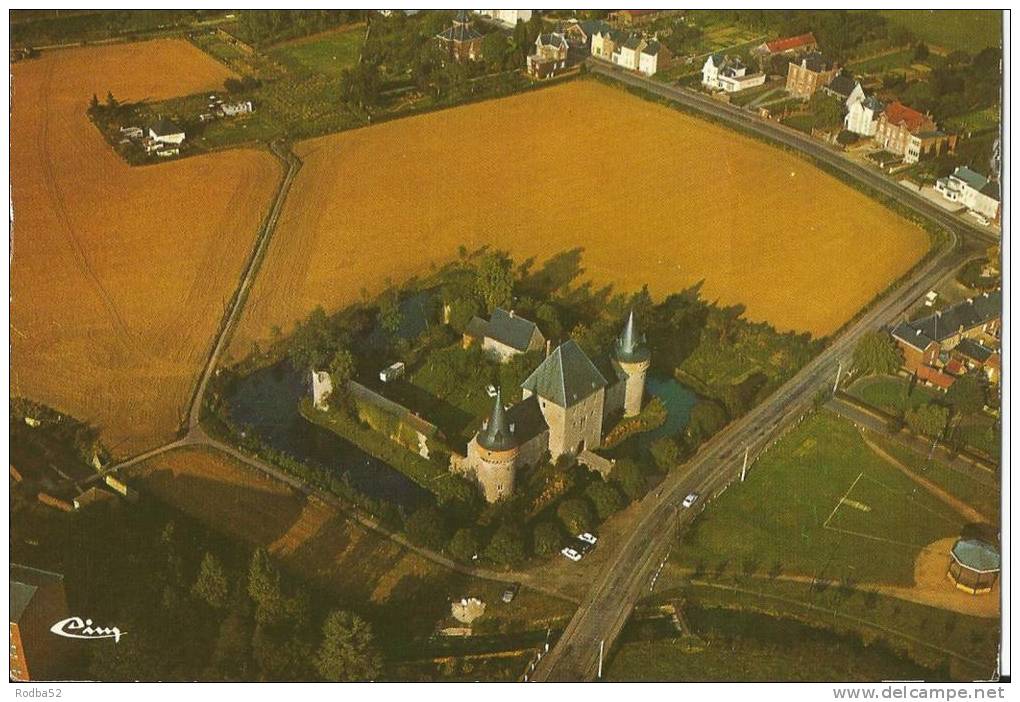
[840,500]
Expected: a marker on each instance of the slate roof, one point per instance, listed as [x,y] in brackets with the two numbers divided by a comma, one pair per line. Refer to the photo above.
[476,327]
[509,329]
[976,555]
[971,178]
[164,127]
[816,62]
[462,29]
[495,434]
[966,314]
[874,104]
[633,42]
[566,376]
[842,85]
[590,27]
[555,39]
[974,350]
[991,189]
[527,420]
[651,49]
[630,347]
[911,336]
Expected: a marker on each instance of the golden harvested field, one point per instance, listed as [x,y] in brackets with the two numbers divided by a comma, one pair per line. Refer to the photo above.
[651,195]
[119,275]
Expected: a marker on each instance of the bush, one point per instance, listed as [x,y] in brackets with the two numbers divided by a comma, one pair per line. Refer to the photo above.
[507,545]
[427,527]
[629,477]
[546,538]
[576,515]
[604,497]
[464,545]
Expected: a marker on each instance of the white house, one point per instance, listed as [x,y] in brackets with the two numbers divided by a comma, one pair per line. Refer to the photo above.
[730,75]
[322,388]
[648,60]
[862,118]
[848,90]
[509,18]
[972,190]
[628,54]
[166,132]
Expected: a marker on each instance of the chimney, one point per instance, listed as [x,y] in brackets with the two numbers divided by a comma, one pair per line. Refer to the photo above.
[512,314]
[548,347]
[512,425]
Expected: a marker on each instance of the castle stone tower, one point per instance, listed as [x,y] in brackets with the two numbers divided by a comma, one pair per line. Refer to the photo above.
[494,452]
[633,358]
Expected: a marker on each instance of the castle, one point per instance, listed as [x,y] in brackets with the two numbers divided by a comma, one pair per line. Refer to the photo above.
[566,408]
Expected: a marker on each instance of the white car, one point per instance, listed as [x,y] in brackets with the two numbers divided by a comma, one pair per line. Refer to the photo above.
[490,390]
[690,499]
[571,554]
[588,538]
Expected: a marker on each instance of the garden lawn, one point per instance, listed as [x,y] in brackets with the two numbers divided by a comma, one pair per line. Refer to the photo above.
[893,394]
[969,30]
[329,54]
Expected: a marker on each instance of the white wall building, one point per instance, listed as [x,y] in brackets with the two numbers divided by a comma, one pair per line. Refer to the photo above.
[730,75]
[862,118]
[322,388]
[510,18]
[972,190]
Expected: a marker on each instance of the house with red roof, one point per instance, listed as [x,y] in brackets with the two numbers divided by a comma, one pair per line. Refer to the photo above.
[906,132]
[787,45]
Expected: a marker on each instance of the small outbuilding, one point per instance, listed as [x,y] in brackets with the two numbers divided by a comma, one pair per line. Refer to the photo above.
[974,566]
[166,132]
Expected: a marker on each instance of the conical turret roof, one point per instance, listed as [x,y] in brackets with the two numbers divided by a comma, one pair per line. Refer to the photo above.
[630,348]
[495,434]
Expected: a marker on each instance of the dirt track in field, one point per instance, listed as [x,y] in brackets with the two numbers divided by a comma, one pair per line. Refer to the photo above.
[651,195]
[119,275]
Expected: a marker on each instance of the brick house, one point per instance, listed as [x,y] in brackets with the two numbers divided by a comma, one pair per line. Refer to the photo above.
[814,71]
[786,45]
[549,57]
[461,42]
[906,132]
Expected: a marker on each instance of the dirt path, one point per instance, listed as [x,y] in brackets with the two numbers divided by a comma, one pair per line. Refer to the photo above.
[957,505]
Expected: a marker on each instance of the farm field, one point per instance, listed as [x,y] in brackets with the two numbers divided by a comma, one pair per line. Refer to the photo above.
[663,204]
[968,30]
[120,275]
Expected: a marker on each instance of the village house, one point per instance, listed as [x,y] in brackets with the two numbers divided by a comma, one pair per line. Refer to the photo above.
[862,117]
[931,345]
[549,57]
[813,72]
[461,42]
[972,190]
[638,53]
[504,335]
[580,32]
[730,75]
[166,132]
[846,89]
[906,132]
[566,408]
[507,18]
[604,41]
[786,46]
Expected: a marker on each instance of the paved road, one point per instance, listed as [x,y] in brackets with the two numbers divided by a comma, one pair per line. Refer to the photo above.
[607,606]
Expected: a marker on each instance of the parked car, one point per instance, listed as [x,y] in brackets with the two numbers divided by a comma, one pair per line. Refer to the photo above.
[490,390]
[690,499]
[588,538]
[510,593]
[571,554]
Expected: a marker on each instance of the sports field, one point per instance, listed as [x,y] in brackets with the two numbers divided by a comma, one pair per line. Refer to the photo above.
[651,195]
[119,275]
[329,53]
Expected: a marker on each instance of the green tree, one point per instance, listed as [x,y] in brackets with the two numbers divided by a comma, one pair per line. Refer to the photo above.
[629,477]
[347,652]
[427,527]
[576,515]
[496,50]
[507,545]
[464,545]
[929,419]
[360,85]
[93,104]
[876,353]
[828,110]
[111,102]
[967,394]
[264,588]
[462,309]
[341,369]
[495,280]
[313,342]
[665,453]
[390,317]
[211,584]
[546,538]
[604,497]
[707,417]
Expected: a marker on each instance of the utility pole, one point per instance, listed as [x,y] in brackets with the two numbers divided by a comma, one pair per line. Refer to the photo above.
[743,471]
[839,371]
[602,649]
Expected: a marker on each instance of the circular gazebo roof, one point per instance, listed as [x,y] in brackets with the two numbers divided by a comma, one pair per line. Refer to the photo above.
[976,555]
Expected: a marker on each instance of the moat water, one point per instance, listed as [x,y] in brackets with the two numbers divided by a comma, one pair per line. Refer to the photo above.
[267,403]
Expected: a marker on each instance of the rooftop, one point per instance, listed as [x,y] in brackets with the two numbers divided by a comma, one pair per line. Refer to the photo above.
[790,43]
[566,376]
[976,555]
[507,328]
[898,113]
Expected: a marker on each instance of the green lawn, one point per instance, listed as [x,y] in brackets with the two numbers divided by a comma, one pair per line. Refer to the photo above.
[749,646]
[893,394]
[881,64]
[328,54]
[789,516]
[969,30]
[803,123]
[987,118]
